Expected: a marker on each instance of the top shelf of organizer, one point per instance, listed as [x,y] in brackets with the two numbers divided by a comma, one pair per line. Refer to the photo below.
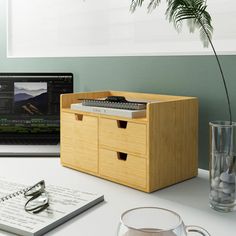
[68,99]
[152,99]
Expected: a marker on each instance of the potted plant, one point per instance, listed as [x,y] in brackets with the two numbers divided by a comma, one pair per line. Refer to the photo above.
[222,133]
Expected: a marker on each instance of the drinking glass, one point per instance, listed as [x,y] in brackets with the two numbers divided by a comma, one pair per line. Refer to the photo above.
[154,221]
[222,166]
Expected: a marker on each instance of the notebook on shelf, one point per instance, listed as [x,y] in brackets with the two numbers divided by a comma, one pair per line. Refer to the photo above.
[64,203]
[112,105]
[30,112]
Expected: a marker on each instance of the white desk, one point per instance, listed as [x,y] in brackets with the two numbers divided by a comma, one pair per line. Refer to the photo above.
[189,199]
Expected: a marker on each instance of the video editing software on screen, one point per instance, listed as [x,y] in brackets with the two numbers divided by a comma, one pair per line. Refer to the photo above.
[31,103]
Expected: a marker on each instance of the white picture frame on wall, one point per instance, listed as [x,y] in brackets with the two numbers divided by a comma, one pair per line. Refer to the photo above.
[91,28]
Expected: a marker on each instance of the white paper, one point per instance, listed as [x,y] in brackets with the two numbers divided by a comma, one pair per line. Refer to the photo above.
[63,202]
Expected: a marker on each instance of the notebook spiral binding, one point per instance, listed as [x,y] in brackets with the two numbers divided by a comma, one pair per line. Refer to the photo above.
[15,194]
[110,104]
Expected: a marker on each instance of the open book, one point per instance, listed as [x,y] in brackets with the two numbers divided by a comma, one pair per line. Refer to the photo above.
[65,203]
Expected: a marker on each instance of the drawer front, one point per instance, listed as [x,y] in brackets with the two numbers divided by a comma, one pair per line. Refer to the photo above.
[123,136]
[126,169]
[67,125]
[66,142]
[79,141]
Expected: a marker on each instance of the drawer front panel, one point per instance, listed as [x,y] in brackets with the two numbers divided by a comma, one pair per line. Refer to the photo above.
[122,168]
[126,137]
[67,143]
[79,136]
[67,125]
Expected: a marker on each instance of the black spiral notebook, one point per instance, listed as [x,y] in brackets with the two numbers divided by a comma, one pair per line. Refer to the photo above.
[118,102]
[112,105]
[65,203]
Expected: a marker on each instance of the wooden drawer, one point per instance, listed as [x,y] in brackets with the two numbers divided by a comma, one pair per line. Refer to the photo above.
[66,142]
[127,169]
[79,146]
[124,136]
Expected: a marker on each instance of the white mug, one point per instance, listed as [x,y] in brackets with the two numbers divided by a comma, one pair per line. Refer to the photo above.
[155,221]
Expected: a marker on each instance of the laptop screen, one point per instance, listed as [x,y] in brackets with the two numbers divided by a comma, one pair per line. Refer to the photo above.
[30,103]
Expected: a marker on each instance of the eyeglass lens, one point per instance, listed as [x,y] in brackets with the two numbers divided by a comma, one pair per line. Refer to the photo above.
[37,204]
[36,189]
[39,198]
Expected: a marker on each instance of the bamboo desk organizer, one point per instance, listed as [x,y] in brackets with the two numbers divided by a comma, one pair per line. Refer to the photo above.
[148,154]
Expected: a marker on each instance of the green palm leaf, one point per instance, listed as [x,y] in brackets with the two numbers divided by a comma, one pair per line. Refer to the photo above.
[138,3]
[135,4]
[192,11]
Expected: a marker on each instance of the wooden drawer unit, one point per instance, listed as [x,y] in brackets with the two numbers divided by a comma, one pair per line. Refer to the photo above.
[79,138]
[124,136]
[147,153]
[123,168]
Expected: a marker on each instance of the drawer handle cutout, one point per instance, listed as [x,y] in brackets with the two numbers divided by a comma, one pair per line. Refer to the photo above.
[79,117]
[122,124]
[122,156]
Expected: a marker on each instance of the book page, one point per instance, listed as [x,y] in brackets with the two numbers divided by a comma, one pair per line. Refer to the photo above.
[63,201]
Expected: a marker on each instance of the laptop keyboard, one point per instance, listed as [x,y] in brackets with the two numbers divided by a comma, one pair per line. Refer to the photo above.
[23,141]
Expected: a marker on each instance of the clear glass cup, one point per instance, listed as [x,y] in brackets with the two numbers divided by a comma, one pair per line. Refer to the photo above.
[222,166]
[154,221]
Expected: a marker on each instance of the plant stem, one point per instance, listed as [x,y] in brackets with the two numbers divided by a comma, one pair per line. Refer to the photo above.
[232,165]
[220,68]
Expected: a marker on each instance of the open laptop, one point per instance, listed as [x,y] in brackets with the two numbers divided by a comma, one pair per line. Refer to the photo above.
[30,112]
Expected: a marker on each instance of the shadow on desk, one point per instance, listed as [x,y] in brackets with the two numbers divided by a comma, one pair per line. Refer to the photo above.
[193,193]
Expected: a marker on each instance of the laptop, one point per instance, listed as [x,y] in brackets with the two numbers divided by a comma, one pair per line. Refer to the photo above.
[30,113]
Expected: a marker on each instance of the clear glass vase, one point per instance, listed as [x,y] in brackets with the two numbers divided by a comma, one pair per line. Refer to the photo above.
[222,166]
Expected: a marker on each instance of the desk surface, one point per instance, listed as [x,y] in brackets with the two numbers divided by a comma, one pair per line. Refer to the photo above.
[189,199]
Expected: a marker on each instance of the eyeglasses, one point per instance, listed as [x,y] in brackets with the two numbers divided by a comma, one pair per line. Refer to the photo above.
[39,200]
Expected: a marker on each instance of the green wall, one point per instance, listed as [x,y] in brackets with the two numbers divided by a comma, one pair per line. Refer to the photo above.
[178,75]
